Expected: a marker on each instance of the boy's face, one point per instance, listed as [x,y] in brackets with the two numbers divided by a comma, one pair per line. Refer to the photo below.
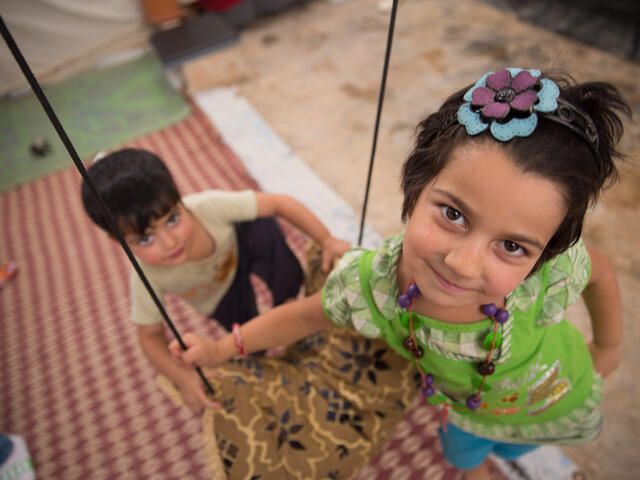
[477,230]
[167,241]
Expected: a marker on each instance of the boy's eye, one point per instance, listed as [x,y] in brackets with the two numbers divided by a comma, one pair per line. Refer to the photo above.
[513,248]
[453,215]
[145,240]
[173,218]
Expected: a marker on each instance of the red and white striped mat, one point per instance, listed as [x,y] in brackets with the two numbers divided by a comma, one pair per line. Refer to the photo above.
[73,381]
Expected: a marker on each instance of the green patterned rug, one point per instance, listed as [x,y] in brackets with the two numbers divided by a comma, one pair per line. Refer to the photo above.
[99,109]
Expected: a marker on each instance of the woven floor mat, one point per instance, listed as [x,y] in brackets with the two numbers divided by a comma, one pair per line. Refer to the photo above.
[74,382]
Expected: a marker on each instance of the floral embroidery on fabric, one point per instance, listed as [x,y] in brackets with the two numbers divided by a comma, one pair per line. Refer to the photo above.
[287,432]
[228,452]
[506,102]
[363,363]
[341,410]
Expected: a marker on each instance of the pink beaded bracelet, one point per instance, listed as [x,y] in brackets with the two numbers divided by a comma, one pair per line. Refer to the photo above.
[237,338]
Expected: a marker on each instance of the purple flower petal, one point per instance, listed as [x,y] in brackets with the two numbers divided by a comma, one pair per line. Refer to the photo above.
[482,96]
[499,79]
[522,81]
[524,101]
[496,110]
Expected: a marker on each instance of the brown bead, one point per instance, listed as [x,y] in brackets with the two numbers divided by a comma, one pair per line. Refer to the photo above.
[409,344]
[417,352]
[486,368]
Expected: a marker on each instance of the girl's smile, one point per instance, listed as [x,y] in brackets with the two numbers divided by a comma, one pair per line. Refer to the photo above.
[476,232]
[446,285]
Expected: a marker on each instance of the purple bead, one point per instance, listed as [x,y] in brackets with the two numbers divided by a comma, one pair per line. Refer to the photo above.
[502,315]
[413,291]
[429,379]
[404,301]
[489,309]
[473,402]
[427,391]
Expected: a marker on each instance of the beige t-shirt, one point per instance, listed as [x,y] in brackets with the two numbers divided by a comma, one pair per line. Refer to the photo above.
[202,283]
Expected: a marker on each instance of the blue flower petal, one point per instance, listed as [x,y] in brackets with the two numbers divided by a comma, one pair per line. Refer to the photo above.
[547,96]
[521,127]
[471,120]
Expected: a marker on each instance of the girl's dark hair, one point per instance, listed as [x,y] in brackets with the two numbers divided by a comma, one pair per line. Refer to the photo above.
[552,151]
[136,186]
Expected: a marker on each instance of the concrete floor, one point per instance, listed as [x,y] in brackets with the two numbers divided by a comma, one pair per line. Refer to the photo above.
[313,73]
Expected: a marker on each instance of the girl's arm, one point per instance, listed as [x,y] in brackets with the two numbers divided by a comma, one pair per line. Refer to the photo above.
[602,297]
[269,204]
[280,326]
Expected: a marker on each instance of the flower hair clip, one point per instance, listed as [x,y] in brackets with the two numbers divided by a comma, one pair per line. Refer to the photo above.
[508,102]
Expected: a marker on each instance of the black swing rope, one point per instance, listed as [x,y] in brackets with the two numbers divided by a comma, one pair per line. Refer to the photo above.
[83,172]
[74,156]
[383,84]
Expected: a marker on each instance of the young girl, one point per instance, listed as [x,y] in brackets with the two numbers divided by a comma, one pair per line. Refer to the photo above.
[471,298]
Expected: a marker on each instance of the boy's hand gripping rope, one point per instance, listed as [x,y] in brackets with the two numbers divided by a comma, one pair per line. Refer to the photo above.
[15,51]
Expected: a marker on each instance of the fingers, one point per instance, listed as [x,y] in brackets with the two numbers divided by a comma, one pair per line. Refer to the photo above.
[326,262]
[194,352]
[215,374]
[175,349]
[207,402]
[332,250]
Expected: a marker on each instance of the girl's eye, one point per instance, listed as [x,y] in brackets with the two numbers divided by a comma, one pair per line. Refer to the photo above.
[173,219]
[453,215]
[513,248]
[145,240]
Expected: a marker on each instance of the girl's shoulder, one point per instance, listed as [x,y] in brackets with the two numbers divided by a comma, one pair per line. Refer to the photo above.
[559,282]
[343,298]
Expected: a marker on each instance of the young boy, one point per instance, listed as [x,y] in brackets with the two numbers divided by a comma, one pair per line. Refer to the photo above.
[201,247]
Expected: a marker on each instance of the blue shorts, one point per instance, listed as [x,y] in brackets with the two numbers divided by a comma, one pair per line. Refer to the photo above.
[466,451]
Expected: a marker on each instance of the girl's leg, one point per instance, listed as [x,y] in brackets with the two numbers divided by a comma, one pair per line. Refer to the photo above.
[511,451]
[464,450]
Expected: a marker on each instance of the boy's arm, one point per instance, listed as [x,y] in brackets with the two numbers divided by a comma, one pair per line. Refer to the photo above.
[290,209]
[602,297]
[280,326]
[155,346]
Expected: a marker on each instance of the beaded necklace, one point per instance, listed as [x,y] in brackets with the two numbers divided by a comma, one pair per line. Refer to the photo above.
[485,368]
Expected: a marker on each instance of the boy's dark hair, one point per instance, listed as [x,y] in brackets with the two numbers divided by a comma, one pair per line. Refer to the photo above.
[136,186]
[552,151]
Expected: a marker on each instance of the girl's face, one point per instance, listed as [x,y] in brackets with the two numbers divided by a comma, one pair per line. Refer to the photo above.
[477,230]
[167,241]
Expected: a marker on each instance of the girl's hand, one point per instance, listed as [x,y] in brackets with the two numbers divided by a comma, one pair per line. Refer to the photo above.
[193,393]
[200,351]
[332,249]
[605,359]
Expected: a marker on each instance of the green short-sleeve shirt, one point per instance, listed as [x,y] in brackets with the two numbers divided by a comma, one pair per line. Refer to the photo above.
[544,389]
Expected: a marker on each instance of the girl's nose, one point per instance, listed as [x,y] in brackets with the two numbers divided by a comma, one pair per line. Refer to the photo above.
[168,239]
[465,259]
